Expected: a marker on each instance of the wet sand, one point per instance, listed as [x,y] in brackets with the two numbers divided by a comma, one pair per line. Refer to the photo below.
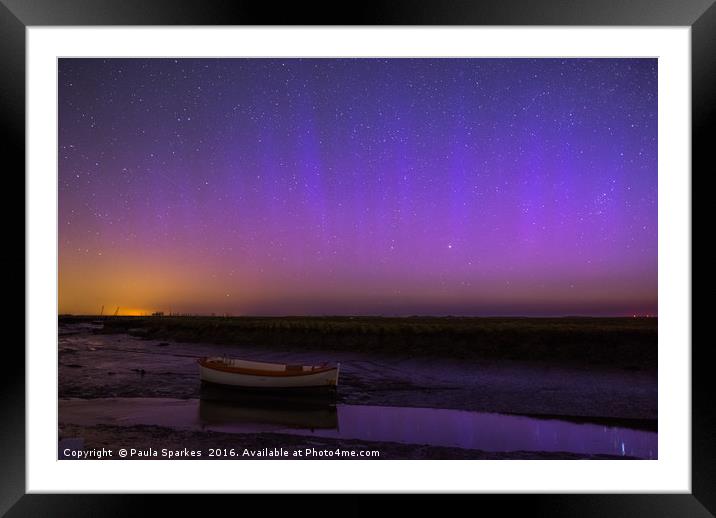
[96,365]
[116,365]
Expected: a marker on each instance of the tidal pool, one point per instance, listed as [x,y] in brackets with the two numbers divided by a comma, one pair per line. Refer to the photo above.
[491,432]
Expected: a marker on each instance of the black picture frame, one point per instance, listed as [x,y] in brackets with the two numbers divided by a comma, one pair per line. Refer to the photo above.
[700,15]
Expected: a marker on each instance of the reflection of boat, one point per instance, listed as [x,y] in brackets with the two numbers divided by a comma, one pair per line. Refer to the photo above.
[304,398]
[257,410]
[245,373]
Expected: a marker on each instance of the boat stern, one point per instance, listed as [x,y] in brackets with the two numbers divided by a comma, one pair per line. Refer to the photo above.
[333,382]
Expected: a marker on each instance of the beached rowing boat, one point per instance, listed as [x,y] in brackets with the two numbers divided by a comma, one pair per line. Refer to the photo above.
[252,374]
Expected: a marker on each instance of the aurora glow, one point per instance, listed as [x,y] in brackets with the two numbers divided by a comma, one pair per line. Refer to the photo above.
[358,186]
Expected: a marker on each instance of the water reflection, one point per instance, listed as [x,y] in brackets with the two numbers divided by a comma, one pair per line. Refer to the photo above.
[419,426]
[264,411]
[429,426]
[492,432]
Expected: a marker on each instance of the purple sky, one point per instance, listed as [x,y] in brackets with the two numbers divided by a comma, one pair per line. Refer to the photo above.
[358,186]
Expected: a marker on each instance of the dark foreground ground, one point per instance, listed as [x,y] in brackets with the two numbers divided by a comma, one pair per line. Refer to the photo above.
[251,446]
[600,371]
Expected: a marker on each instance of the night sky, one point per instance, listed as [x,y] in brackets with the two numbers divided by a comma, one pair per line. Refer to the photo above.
[358,186]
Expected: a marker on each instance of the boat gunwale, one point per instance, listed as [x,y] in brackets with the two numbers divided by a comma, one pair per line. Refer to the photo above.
[204,362]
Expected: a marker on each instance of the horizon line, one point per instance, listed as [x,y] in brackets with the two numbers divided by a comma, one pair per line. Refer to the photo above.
[226,315]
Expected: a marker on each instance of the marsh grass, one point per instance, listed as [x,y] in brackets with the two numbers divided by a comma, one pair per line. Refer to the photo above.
[629,343]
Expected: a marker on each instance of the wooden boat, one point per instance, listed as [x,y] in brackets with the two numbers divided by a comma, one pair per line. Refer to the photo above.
[264,375]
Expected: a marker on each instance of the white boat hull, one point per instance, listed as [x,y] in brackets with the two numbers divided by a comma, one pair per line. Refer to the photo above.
[327,378]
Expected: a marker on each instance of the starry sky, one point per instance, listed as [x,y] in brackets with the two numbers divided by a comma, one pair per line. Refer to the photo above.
[358,186]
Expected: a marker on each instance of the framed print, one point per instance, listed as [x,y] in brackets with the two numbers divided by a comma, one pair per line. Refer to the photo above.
[417,250]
